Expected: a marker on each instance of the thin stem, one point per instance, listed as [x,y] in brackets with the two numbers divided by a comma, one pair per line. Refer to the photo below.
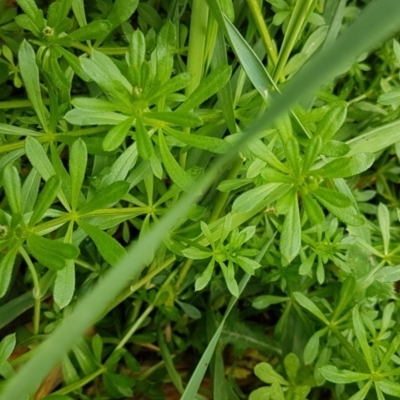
[183,272]
[297,21]
[81,382]
[134,327]
[36,291]
[261,25]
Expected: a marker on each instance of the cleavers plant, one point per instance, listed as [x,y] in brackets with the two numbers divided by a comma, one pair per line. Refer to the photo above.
[198,198]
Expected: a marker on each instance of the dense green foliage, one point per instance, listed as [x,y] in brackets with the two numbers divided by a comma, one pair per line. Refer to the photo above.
[182,214]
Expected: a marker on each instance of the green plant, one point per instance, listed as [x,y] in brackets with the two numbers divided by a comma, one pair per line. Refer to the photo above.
[207,179]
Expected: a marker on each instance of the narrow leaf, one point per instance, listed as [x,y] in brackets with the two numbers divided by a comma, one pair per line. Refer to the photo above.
[210,85]
[116,135]
[179,176]
[106,197]
[143,141]
[45,199]
[51,253]
[12,186]
[30,75]
[291,232]
[64,284]
[77,169]
[108,247]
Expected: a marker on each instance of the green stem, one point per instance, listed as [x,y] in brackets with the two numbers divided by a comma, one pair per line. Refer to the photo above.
[301,11]
[182,274]
[261,25]
[82,382]
[134,327]
[196,52]
[36,290]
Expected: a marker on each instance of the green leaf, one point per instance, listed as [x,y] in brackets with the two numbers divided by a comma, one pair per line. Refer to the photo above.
[136,55]
[333,197]
[117,134]
[7,346]
[312,348]
[292,366]
[186,119]
[211,144]
[312,151]
[31,10]
[106,74]
[164,52]
[361,335]
[64,284]
[6,267]
[291,232]
[196,254]
[388,274]
[348,215]
[38,158]
[259,149]
[57,12]
[264,301]
[284,128]
[334,148]
[376,139]
[346,166]
[362,393]
[272,175]
[310,306]
[209,85]
[347,292]
[191,311]
[94,30]
[389,387]
[267,374]
[384,225]
[12,186]
[292,152]
[74,63]
[173,85]
[108,247]
[122,11]
[106,197]
[45,199]
[332,374]
[88,117]
[332,121]
[203,280]
[178,175]
[313,209]
[253,197]
[30,76]
[77,169]
[143,141]
[51,253]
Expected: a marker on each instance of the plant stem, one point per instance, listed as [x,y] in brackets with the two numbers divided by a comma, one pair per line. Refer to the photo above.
[134,327]
[82,382]
[263,31]
[301,11]
[36,290]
